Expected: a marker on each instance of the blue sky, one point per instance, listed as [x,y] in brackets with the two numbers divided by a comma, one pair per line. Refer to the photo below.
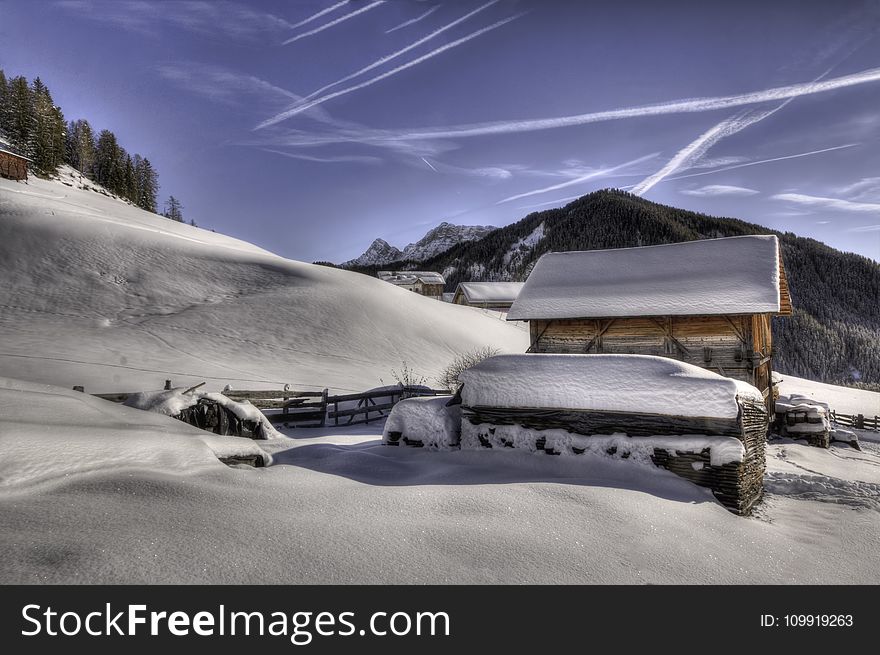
[311,128]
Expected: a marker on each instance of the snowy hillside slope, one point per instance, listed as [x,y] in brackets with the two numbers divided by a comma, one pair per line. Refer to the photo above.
[99,293]
[845,400]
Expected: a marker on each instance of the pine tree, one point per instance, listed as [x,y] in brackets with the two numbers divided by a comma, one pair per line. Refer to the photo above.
[174,209]
[80,147]
[4,102]
[129,180]
[20,120]
[147,184]
[106,159]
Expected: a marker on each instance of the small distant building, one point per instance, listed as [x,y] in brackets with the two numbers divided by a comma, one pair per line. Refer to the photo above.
[425,283]
[447,297]
[498,296]
[705,302]
[12,165]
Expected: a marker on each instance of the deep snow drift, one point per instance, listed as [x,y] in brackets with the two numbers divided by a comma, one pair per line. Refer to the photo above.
[611,383]
[99,293]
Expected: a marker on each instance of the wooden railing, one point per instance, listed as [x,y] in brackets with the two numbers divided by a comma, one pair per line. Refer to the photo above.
[366,403]
[295,406]
[310,408]
[857,421]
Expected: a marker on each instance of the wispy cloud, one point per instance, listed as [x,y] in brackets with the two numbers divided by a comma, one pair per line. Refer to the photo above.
[693,105]
[323,12]
[354,159]
[865,228]
[394,71]
[491,172]
[413,21]
[220,84]
[719,190]
[868,188]
[600,172]
[822,202]
[335,22]
[394,55]
[228,19]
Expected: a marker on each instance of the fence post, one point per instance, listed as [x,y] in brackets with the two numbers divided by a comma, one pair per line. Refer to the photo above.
[860,422]
[79,388]
[167,385]
[323,408]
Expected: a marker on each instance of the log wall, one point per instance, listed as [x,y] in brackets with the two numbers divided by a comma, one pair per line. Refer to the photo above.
[12,167]
[736,346]
[737,485]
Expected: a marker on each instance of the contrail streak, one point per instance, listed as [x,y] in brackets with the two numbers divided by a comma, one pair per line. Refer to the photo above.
[395,55]
[692,105]
[694,151]
[763,161]
[413,20]
[320,13]
[429,164]
[334,22]
[361,159]
[602,172]
[453,44]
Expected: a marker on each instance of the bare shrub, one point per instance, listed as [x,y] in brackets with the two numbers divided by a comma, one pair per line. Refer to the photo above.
[449,378]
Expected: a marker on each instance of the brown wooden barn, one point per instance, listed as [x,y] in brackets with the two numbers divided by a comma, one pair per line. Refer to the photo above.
[705,302]
[12,165]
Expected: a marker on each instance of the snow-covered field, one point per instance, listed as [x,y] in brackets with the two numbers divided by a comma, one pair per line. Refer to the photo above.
[98,293]
[338,506]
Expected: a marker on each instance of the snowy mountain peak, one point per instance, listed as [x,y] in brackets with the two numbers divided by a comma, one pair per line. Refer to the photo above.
[379,253]
[437,240]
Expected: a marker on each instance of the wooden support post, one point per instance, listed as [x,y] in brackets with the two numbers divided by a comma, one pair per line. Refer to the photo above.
[324,395]
[860,422]
[167,385]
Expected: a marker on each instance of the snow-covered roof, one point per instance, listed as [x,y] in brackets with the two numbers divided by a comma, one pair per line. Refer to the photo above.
[734,275]
[489,292]
[411,277]
[14,154]
[613,383]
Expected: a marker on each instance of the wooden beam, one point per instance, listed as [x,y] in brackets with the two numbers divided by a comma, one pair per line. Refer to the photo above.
[667,331]
[538,338]
[599,332]
[736,330]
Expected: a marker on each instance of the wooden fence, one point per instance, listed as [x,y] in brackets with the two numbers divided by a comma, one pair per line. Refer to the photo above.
[366,403]
[310,408]
[857,421]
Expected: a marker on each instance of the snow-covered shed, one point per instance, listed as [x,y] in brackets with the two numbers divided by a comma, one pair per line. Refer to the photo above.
[707,302]
[487,295]
[425,283]
[13,166]
[700,425]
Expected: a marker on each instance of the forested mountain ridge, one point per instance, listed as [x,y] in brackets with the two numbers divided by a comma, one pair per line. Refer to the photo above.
[833,336]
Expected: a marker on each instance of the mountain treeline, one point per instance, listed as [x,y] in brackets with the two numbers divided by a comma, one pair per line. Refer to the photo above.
[35,127]
[833,335]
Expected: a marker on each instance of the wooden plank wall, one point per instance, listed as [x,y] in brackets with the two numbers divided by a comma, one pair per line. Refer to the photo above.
[723,344]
